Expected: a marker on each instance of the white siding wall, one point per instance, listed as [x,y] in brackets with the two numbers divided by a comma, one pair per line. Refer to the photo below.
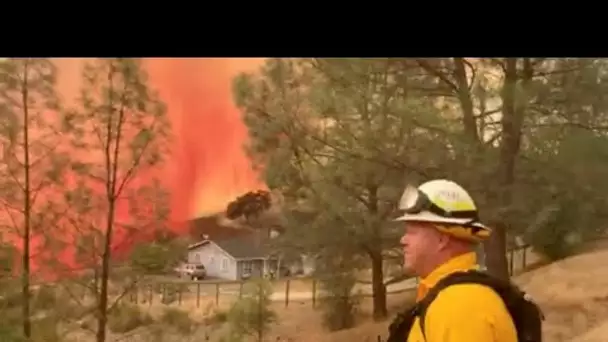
[218,263]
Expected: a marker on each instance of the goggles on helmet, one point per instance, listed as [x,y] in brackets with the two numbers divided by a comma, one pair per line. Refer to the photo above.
[414,201]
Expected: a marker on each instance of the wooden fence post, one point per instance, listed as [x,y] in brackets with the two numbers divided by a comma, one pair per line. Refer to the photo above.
[314,292]
[151,287]
[128,294]
[217,294]
[240,289]
[179,295]
[511,261]
[198,295]
[287,283]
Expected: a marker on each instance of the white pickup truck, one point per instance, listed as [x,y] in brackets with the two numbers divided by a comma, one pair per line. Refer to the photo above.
[192,271]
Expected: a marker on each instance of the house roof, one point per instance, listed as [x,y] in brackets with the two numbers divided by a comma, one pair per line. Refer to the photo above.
[210,226]
[244,247]
[240,243]
[198,244]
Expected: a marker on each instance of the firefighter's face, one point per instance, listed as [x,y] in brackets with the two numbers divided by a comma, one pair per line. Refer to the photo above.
[420,243]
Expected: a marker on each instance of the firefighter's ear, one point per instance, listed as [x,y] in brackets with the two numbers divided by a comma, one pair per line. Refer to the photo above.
[443,241]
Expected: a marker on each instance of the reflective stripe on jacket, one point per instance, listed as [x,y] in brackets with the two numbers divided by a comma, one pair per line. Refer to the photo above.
[463,312]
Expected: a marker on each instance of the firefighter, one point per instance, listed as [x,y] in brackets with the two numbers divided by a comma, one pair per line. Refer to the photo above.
[442,235]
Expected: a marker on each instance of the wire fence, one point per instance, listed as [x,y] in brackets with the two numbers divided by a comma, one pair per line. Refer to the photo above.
[203,294]
[520,258]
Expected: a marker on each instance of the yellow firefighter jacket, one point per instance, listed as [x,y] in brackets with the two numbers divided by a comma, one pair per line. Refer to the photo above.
[463,312]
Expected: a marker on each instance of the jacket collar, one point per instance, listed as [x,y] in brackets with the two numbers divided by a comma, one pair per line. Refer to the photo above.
[462,262]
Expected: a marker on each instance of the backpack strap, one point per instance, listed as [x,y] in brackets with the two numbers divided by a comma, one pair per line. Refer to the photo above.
[464,277]
[402,324]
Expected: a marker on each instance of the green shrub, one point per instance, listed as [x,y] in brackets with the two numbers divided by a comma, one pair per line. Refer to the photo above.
[559,234]
[149,258]
[124,318]
[73,311]
[11,316]
[46,330]
[251,315]
[216,318]
[220,317]
[157,257]
[11,333]
[45,298]
[10,300]
[178,319]
[554,244]
[338,303]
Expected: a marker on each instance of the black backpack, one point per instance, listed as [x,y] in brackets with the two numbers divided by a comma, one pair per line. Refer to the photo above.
[526,315]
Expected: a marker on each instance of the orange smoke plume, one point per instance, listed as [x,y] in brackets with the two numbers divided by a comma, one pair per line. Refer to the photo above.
[208,166]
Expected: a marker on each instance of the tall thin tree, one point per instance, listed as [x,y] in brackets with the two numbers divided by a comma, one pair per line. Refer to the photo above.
[121,130]
[31,158]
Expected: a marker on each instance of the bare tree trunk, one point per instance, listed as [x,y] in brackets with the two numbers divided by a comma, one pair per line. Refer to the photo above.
[497,243]
[496,252]
[111,163]
[466,102]
[375,254]
[102,309]
[260,318]
[512,121]
[378,287]
[27,208]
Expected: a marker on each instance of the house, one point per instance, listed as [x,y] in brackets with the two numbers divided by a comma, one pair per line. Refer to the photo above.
[233,239]
[234,258]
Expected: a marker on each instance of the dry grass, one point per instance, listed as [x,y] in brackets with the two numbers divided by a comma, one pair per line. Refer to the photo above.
[302,322]
[597,334]
[298,321]
[574,296]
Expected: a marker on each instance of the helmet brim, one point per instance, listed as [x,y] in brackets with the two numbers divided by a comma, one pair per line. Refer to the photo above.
[426,216]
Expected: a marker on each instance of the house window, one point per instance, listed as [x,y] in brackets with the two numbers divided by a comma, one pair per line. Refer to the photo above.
[197,258]
[225,264]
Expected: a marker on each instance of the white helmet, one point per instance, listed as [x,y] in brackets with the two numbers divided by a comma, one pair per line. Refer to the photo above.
[445,203]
